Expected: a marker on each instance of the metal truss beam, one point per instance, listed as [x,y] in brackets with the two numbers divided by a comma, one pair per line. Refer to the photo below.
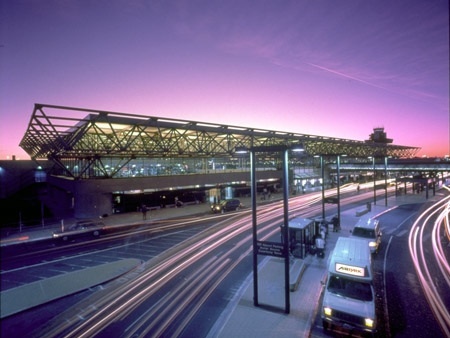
[87,136]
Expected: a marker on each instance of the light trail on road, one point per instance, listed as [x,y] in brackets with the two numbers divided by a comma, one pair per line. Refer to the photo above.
[118,304]
[423,261]
[95,316]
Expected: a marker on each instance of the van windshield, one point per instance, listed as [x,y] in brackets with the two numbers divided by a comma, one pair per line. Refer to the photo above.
[365,233]
[350,288]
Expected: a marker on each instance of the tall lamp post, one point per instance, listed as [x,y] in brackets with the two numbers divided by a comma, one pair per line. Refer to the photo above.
[339,189]
[259,247]
[374,182]
[385,181]
[322,172]
[336,200]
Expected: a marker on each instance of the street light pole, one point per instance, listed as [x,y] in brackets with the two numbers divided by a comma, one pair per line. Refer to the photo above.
[323,186]
[374,183]
[385,181]
[338,189]
[281,250]
[254,224]
[286,230]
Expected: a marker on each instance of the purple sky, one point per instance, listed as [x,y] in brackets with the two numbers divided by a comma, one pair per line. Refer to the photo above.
[323,67]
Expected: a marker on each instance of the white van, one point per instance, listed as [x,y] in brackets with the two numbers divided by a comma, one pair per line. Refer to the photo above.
[349,300]
[368,229]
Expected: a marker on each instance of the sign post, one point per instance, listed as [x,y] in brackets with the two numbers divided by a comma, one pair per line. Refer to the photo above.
[271,248]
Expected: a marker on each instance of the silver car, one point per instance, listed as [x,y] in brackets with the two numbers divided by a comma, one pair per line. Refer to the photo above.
[368,229]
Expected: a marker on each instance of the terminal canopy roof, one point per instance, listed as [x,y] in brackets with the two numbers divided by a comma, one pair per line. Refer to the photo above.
[60,133]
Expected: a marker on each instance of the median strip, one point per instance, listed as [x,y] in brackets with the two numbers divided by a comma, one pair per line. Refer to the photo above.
[37,293]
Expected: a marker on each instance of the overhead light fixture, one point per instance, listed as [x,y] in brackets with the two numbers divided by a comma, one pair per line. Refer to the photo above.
[298,147]
[241,150]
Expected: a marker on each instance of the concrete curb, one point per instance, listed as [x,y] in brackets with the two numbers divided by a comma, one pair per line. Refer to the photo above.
[296,273]
[33,294]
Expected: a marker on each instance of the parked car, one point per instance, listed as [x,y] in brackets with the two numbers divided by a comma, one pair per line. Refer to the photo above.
[226,205]
[368,229]
[89,228]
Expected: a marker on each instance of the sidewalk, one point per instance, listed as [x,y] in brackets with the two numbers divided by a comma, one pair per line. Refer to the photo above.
[241,318]
[130,218]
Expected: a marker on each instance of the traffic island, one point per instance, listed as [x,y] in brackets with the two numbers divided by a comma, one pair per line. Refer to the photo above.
[297,267]
[40,292]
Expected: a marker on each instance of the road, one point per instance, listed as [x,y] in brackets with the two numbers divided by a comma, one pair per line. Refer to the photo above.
[39,260]
[417,286]
[189,274]
[173,252]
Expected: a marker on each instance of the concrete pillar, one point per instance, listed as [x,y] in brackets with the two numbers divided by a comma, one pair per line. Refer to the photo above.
[91,201]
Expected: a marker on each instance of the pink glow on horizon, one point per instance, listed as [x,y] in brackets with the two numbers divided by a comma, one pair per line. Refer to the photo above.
[306,67]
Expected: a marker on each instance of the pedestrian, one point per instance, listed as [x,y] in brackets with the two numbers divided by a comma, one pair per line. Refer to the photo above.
[323,229]
[320,246]
[336,225]
[144,211]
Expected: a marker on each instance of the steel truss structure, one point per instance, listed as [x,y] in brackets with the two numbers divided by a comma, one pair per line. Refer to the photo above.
[86,139]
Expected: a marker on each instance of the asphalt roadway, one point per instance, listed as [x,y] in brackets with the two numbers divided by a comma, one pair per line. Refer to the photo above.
[241,317]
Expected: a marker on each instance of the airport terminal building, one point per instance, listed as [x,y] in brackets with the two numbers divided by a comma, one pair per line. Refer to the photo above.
[96,163]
